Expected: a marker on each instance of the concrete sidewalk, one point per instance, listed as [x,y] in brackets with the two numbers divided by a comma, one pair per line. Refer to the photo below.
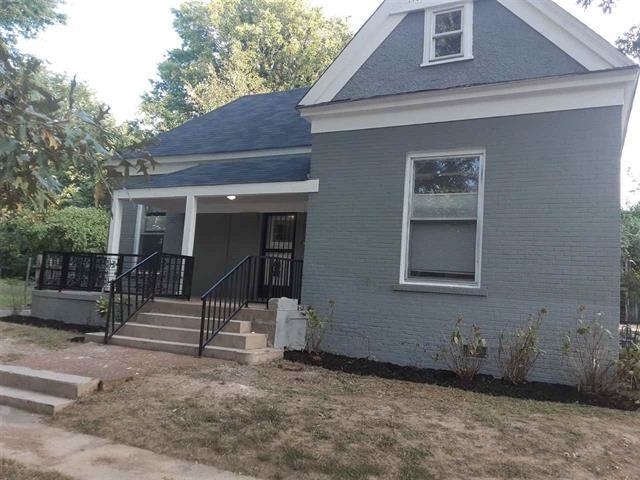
[24,438]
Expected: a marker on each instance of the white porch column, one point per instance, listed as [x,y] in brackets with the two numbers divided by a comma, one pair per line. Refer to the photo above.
[115,227]
[189,232]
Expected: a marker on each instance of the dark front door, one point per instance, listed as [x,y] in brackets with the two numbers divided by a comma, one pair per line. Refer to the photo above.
[278,244]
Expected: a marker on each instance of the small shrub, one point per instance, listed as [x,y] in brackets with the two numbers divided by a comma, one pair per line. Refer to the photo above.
[588,350]
[628,366]
[316,325]
[464,355]
[519,351]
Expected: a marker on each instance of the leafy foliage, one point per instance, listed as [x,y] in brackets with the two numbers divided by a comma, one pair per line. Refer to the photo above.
[49,127]
[70,229]
[316,325]
[26,18]
[629,42]
[235,47]
[464,354]
[589,351]
[628,366]
[519,351]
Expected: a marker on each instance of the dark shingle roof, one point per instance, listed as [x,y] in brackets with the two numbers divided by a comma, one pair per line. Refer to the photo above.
[254,122]
[253,170]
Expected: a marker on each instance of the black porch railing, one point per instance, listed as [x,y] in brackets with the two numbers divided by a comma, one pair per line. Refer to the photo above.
[253,280]
[159,275]
[87,272]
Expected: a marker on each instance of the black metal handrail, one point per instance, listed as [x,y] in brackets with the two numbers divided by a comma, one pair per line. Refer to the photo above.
[129,292]
[159,275]
[82,271]
[253,280]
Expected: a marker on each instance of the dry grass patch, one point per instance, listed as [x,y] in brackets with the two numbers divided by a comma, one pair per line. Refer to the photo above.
[315,424]
[48,338]
[11,470]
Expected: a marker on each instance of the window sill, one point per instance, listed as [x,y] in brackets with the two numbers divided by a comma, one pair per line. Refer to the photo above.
[443,289]
[447,60]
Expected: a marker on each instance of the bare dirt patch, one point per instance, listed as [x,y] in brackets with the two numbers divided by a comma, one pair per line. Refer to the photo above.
[17,341]
[283,423]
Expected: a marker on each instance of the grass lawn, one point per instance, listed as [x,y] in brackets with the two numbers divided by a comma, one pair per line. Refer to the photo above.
[12,293]
[10,470]
[283,422]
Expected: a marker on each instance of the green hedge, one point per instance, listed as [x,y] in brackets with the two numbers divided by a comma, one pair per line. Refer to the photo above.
[70,229]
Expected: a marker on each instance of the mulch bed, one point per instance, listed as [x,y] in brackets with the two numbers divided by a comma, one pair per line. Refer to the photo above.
[54,324]
[483,384]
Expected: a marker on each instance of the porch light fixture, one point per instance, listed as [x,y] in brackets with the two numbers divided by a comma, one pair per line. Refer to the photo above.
[231,197]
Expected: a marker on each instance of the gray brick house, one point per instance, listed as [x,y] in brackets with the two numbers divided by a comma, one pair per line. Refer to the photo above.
[460,157]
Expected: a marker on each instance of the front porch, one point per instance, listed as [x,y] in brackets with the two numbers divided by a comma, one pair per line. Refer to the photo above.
[218,248]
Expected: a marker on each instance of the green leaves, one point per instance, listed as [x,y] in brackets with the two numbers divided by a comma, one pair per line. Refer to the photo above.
[238,47]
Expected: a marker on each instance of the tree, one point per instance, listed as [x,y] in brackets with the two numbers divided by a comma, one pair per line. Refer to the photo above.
[26,18]
[629,42]
[48,126]
[236,47]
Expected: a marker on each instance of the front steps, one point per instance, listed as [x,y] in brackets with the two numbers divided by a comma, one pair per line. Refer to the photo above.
[174,326]
[41,391]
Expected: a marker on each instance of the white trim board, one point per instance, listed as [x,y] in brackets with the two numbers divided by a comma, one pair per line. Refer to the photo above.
[306,186]
[570,92]
[544,16]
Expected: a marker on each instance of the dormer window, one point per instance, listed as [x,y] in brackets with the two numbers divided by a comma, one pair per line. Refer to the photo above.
[448,33]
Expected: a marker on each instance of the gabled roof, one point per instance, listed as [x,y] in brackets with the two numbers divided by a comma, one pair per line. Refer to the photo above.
[546,17]
[253,170]
[253,122]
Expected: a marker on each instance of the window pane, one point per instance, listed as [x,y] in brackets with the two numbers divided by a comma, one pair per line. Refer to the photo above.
[445,205]
[449,45]
[443,250]
[447,175]
[155,222]
[449,22]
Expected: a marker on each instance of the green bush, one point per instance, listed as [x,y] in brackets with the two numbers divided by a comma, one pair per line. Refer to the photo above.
[71,229]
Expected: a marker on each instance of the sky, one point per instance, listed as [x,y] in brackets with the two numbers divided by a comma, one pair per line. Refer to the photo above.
[115,46]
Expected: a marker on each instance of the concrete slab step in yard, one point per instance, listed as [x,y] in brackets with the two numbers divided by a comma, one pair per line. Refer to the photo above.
[245,357]
[42,391]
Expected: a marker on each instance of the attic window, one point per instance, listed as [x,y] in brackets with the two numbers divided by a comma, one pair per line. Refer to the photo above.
[448,34]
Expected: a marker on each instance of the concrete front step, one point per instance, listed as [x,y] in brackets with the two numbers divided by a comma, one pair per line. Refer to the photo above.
[32,401]
[247,357]
[246,341]
[46,382]
[194,309]
[184,321]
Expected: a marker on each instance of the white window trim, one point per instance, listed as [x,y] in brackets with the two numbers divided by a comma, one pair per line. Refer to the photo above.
[429,57]
[406,221]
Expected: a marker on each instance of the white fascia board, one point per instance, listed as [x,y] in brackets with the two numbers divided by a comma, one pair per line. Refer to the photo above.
[306,186]
[363,44]
[568,33]
[571,92]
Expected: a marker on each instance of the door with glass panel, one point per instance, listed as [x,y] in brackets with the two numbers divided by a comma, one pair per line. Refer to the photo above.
[279,239]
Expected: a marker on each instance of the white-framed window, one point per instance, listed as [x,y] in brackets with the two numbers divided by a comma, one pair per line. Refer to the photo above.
[442,229]
[448,33]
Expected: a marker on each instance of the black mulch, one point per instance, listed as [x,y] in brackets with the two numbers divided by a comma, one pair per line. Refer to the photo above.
[483,384]
[54,324]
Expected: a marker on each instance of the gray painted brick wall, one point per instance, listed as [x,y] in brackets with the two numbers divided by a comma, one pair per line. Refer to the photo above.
[504,47]
[551,233]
